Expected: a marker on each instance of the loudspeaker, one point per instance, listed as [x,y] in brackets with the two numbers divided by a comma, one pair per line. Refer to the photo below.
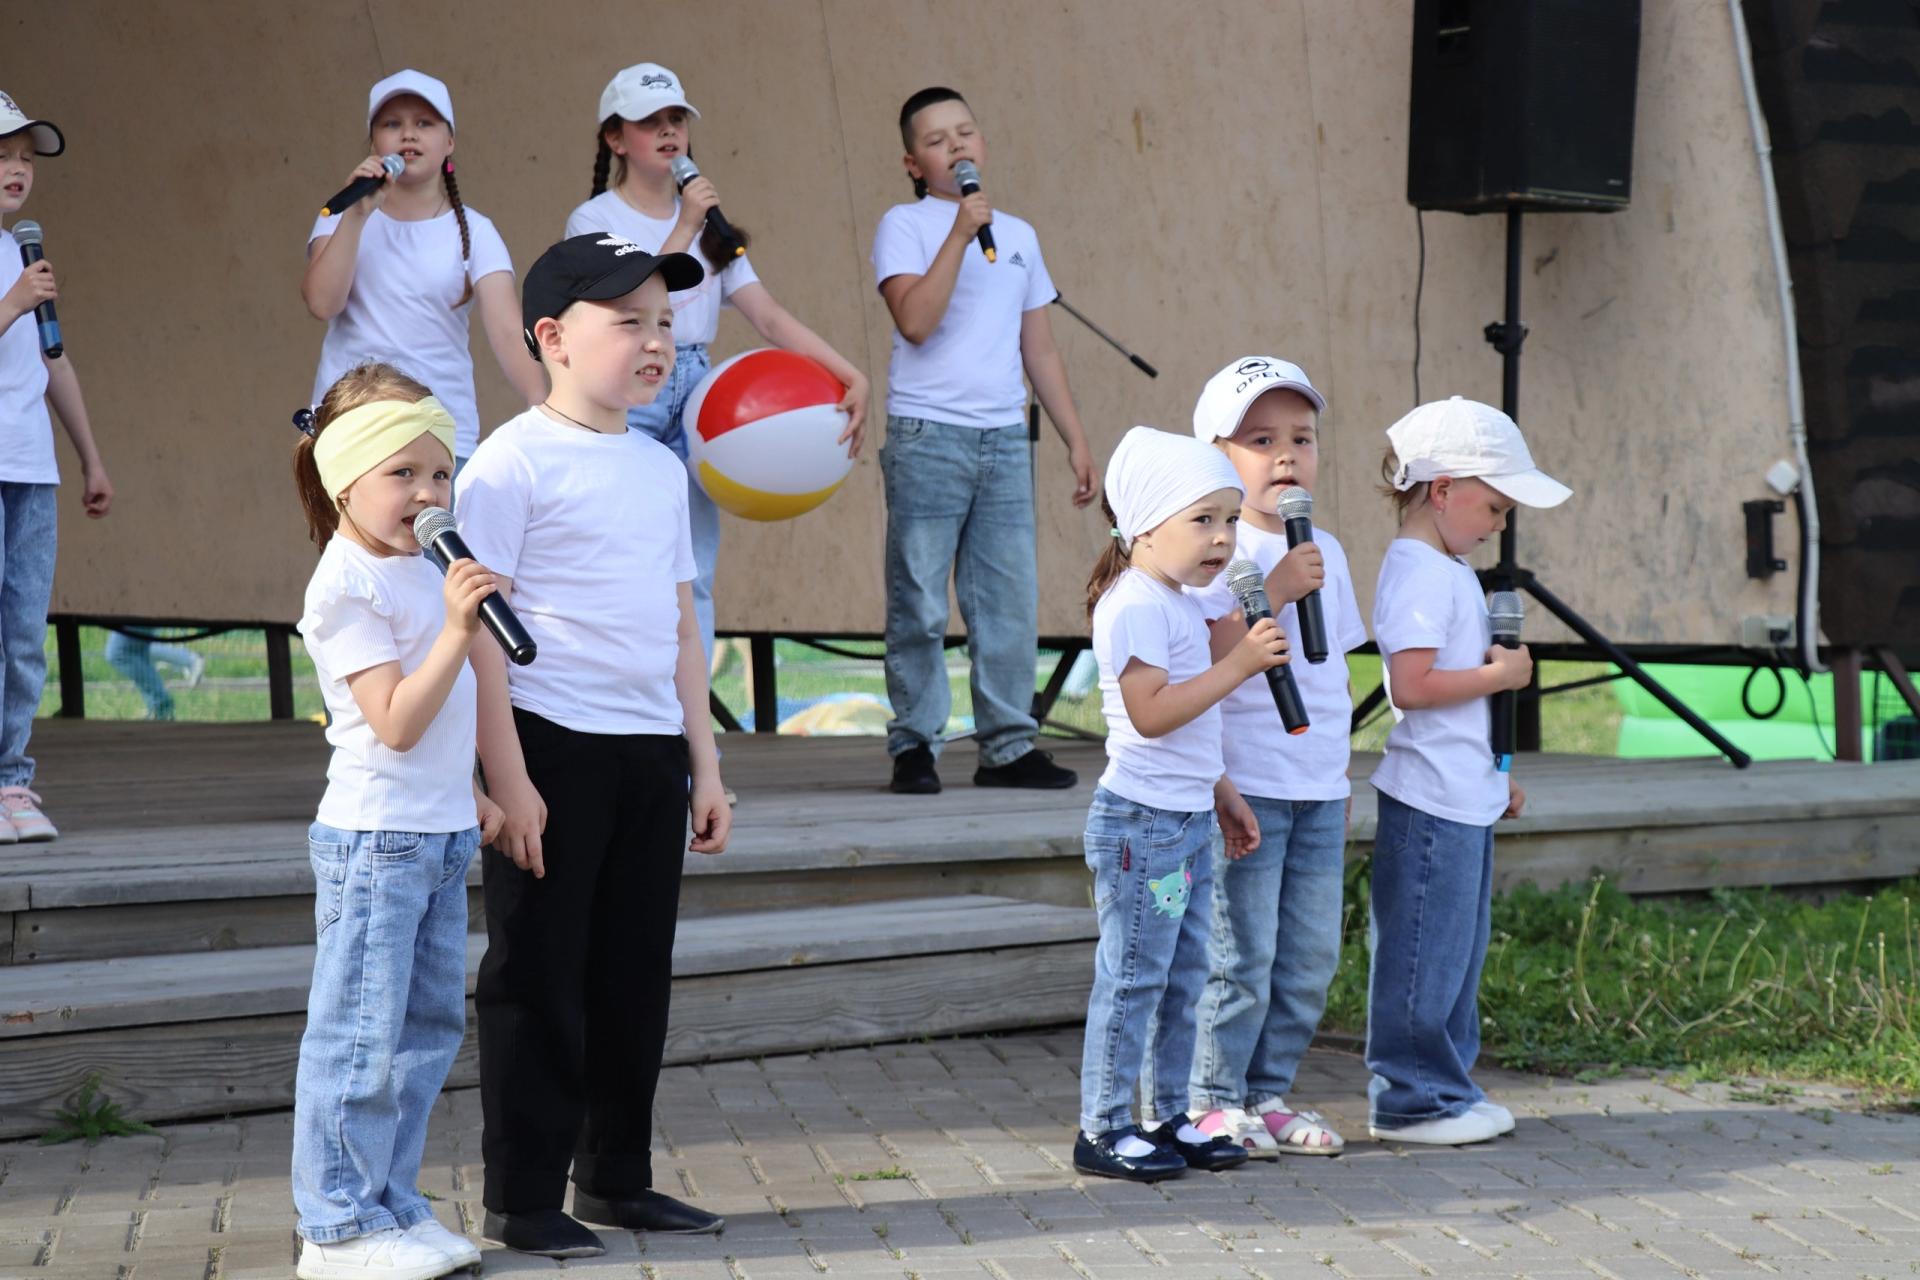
[1523,103]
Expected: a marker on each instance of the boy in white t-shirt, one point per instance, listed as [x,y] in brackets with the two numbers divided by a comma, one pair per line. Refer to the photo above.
[589,750]
[955,461]
[1456,468]
[1277,913]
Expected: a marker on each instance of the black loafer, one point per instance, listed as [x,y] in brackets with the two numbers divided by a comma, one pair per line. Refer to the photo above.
[547,1233]
[1212,1155]
[1097,1156]
[646,1211]
[1035,771]
[913,773]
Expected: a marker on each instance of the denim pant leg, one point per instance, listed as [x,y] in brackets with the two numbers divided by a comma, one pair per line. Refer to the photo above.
[1432,884]
[1169,1064]
[929,481]
[663,421]
[1240,958]
[132,657]
[1308,941]
[29,536]
[997,587]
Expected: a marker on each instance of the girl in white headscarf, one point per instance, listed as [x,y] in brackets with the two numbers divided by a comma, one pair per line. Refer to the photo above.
[1174,502]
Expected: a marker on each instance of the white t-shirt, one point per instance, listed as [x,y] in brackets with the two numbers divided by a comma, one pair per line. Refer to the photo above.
[967,373]
[362,611]
[1439,761]
[1140,618]
[593,531]
[26,432]
[696,311]
[1263,759]
[400,309]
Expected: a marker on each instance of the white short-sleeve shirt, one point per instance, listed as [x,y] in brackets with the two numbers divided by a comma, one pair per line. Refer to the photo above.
[26,432]
[696,311]
[1141,618]
[967,373]
[1439,761]
[401,308]
[593,531]
[363,611]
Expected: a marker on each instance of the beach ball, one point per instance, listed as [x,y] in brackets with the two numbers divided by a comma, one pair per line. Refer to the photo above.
[763,432]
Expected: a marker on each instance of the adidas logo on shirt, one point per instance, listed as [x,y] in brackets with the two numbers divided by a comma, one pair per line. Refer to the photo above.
[1017,260]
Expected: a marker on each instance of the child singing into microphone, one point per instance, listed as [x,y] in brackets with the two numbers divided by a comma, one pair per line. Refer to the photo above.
[1174,503]
[1455,469]
[399,823]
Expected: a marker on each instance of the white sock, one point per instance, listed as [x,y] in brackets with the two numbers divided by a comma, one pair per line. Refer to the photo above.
[1133,1146]
[1187,1133]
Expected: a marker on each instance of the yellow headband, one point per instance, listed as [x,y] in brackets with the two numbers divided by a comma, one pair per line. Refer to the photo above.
[361,439]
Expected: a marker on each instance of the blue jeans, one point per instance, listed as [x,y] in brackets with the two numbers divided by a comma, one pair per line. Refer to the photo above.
[1432,912]
[385,1017]
[133,656]
[661,420]
[1153,888]
[29,535]
[1274,947]
[960,503]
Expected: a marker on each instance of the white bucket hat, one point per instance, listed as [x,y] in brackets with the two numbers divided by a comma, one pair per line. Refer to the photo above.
[1464,438]
[641,90]
[1228,395]
[47,138]
[419,84]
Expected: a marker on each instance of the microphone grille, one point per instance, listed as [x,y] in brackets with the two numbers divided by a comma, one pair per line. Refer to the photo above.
[394,165]
[1295,503]
[431,523]
[1244,576]
[26,232]
[684,170]
[1505,612]
[966,174]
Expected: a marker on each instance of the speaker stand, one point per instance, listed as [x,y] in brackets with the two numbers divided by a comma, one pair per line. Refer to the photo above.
[1506,337]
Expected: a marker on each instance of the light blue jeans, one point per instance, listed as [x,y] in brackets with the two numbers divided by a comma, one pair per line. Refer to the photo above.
[661,420]
[384,1020]
[1432,913]
[29,536]
[1153,889]
[960,503]
[1274,947]
[133,656]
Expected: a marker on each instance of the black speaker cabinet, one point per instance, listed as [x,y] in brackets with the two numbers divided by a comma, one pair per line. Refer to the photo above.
[1524,103]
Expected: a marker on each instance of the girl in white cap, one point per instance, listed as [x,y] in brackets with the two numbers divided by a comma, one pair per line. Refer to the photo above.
[644,126]
[1455,468]
[396,275]
[1174,503]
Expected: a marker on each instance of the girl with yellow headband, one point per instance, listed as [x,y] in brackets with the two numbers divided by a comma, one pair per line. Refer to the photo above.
[400,821]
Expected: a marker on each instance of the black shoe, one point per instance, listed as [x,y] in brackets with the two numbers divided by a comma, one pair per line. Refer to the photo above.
[1097,1156]
[1211,1155]
[548,1233]
[1035,771]
[913,773]
[646,1211]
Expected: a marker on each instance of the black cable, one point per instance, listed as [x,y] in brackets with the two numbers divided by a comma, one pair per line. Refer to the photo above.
[1419,288]
[1746,691]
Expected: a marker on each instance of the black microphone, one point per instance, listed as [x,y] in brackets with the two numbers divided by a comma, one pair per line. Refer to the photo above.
[1296,508]
[360,188]
[1244,580]
[968,177]
[1504,615]
[685,171]
[28,234]
[435,530]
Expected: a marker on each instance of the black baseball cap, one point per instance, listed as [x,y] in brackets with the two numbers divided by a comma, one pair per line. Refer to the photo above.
[594,268]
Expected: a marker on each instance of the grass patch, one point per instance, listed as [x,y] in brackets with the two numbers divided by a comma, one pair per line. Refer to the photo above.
[92,1118]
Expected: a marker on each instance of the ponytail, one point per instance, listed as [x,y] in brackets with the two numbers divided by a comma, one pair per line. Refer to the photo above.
[363,384]
[1113,564]
[603,162]
[1403,500]
[466,237]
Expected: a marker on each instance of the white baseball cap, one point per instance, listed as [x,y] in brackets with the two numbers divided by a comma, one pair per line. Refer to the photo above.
[1228,395]
[419,84]
[1463,438]
[47,138]
[641,90]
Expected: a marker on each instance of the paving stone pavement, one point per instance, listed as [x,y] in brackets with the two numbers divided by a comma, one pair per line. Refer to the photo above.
[952,1160]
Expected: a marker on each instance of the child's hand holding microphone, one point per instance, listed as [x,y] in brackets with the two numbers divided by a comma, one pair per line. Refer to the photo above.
[467,584]
[1300,573]
[1263,647]
[1509,668]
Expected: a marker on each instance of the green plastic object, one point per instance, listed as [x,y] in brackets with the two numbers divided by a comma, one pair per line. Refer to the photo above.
[1802,730]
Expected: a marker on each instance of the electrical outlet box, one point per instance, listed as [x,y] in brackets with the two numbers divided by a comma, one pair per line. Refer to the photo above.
[1768,631]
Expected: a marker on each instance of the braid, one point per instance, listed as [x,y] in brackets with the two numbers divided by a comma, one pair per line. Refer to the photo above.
[466,236]
[602,164]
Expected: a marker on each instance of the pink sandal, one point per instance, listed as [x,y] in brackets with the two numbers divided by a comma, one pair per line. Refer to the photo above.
[1300,1133]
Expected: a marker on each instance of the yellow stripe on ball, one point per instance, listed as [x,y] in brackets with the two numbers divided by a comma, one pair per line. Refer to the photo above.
[756,504]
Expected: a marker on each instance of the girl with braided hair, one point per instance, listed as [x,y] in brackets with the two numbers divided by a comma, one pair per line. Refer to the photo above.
[396,276]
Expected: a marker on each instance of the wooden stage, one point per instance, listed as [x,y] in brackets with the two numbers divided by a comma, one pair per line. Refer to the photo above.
[841,914]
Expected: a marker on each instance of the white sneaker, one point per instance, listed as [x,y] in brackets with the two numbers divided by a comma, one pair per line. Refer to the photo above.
[21,808]
[1501,1117]
[429,1232]
[389,1254]
[198,669]
[1471,1126]
[8,833]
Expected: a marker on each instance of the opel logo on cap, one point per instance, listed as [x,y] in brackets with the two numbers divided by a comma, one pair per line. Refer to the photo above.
[1255,365]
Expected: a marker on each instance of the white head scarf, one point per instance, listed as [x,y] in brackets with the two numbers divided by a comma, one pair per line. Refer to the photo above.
[1155,474]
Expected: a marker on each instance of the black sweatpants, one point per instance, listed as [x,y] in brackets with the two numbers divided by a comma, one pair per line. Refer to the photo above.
[573,992]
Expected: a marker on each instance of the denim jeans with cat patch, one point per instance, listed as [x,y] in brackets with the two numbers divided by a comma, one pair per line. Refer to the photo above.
[1153,889]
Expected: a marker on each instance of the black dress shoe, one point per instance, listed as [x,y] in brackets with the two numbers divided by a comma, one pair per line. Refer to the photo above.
[913,773]
[1211,1155]
[548,1233]
[1035,771]
[646,1211]
[1097,1156]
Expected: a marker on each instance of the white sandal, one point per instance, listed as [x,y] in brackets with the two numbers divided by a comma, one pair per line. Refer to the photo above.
[1249,1131]
[1299,1133]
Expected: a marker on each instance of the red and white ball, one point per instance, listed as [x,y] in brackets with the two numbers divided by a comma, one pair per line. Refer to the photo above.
[763,434]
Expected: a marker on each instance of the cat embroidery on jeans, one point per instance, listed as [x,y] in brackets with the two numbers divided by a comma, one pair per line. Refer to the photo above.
[1172,895]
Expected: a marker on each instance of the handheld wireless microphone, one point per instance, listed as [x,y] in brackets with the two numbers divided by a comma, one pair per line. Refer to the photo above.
[28,234]
[685,171]
[1296,508]
[968,176]
[434,529]
[360,188]
[1504,616]
[1244,580]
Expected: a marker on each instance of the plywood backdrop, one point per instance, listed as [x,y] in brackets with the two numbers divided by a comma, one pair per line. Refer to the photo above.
[1226,183]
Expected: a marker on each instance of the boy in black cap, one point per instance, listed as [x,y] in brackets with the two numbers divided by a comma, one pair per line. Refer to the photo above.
[589,750]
